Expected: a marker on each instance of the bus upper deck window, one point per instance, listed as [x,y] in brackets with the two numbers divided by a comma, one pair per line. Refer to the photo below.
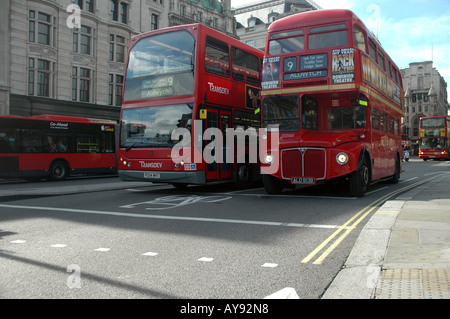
[286,42]
[359,39]
[321,37]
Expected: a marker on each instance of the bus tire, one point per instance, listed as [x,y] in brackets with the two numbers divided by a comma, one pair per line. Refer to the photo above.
[359,180]
[58,171]
[272,185]
[180,186]
[396,177]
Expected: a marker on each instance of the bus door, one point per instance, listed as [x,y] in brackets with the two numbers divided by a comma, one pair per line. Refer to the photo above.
[217,169]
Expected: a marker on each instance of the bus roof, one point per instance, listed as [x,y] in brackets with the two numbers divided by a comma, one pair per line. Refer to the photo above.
[203,28]
[315,17]
[320,17]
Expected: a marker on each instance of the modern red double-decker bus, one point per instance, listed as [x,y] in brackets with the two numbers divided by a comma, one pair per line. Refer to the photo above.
[335,97]
[434,137]
[56,146]
[183,85]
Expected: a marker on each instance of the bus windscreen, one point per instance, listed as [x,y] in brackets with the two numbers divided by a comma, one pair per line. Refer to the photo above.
[161,65]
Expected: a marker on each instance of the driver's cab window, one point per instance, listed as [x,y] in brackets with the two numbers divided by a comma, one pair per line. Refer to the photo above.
[310,115]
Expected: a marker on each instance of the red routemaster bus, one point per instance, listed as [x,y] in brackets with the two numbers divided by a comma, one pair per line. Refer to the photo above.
[56,146]
[335,97]
[434,137]
[194,80]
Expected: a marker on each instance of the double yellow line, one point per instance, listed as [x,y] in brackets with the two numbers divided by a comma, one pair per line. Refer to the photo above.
[356,219]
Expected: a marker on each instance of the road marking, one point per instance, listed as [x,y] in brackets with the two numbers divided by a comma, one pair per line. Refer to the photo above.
[102,249]
[206,259]
[285,293]
[387,212]
[58,245]
[291,196]
[270,265]
[359,216]
[150,254]
[174,201]
[182,218]
[19,241]
[375,191]
[407,180]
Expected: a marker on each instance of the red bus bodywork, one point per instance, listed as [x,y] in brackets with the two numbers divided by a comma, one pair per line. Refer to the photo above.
[319,64]
[196,78]
[434,137]
[55,146]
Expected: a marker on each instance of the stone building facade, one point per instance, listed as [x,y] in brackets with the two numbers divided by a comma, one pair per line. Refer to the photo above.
[425,95]
[253,20]
[62,59]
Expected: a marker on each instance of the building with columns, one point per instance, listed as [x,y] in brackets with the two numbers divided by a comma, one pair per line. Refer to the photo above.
[52,65]
[425,95]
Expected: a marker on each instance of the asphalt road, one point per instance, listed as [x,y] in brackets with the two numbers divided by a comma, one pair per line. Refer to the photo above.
[207,242]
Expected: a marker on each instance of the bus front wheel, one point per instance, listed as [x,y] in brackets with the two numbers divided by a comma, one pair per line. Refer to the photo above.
[58,171]
[272,185]
[359,180]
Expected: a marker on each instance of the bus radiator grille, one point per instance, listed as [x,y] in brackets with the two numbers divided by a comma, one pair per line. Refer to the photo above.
[303,162]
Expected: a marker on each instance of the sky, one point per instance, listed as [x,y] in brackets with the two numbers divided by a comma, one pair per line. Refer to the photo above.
[409,30]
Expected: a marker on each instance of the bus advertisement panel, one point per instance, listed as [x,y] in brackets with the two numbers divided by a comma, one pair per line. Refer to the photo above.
[434,137]
[335,98]
[56,146]
[185,88]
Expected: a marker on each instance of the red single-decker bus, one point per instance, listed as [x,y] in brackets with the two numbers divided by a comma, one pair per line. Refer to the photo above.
[56,146]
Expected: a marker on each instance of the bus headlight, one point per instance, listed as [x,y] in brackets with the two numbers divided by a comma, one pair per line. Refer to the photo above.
[342,158]
[268,159]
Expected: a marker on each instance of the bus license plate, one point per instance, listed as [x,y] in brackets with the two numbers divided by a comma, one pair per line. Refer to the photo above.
[303,180]
[151,175]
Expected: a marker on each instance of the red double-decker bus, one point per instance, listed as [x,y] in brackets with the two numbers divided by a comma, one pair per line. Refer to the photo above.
[434,137]
[56,146]
[335,97]
[184,84]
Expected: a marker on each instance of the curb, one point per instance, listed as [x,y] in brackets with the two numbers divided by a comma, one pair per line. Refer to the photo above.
[360,275]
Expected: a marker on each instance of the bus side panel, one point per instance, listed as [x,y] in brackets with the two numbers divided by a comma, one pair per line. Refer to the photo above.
[92,161]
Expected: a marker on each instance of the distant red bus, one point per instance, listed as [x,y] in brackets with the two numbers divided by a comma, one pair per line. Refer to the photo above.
[335,97]
[187,78]
[434,137]
[55,146]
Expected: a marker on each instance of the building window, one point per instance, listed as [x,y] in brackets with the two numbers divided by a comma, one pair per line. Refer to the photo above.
[115,89]
[272,16]
[116,48]
[40,28]
[182,10]
[87,5]
[39,77]
[154,22]
[250,42]
[119,11]
[82,39]
[81,84]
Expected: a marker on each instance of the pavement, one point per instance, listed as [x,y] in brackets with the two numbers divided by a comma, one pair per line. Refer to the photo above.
[403,252]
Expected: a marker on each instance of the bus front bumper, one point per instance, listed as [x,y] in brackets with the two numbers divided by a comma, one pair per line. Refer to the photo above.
[163,177]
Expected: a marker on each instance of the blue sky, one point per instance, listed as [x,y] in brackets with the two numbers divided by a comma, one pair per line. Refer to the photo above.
[409,30]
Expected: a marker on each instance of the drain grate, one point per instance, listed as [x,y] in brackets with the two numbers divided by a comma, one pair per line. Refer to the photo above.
[414,284]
